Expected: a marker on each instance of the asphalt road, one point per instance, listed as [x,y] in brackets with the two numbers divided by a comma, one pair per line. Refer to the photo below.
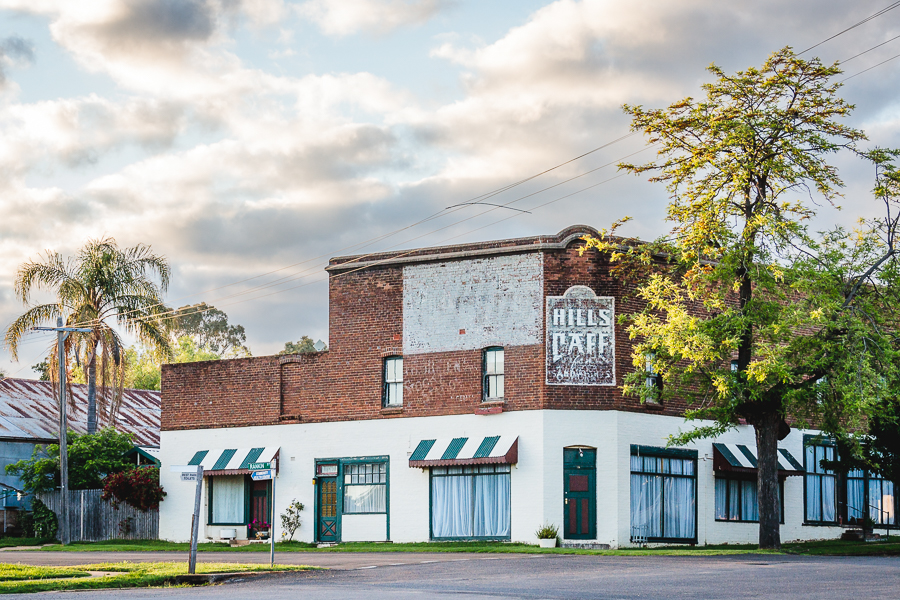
[483,577]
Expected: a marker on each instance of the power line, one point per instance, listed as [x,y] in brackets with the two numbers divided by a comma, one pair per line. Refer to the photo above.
[854,26]
[870,68]
[382,237]
[870,49]
[469,202]
[407,241]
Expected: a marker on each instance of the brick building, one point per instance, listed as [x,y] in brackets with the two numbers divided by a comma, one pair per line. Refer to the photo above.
[472,392]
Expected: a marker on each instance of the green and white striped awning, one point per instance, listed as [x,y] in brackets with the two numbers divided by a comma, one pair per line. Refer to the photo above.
[447,452]
[232,461]
[740,458]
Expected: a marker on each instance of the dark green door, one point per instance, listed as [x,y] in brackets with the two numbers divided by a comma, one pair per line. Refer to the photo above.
[327,508]
[579,494]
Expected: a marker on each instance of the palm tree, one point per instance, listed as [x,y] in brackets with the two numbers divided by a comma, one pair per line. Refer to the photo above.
[103,282]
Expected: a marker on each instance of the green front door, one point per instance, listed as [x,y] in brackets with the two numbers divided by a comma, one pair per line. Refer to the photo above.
[579,494]
[327,509]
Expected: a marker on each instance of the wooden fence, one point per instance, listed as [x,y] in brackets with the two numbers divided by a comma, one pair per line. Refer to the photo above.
[92,519]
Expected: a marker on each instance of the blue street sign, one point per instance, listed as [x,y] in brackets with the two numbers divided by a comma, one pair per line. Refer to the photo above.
[262,475]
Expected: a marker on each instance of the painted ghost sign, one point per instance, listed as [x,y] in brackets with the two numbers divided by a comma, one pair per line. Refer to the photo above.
[580,342]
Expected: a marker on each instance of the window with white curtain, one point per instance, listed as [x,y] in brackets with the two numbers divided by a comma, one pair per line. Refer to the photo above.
[470,502]
[227,493]
[821,484]
[663,497]
[365,488]
[737,500]
[869,494]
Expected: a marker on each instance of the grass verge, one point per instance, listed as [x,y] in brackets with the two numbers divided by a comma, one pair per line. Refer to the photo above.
[888,547]
[128,575]
[11,542]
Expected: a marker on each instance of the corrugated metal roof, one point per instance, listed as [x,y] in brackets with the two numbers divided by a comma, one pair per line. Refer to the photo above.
[28,411]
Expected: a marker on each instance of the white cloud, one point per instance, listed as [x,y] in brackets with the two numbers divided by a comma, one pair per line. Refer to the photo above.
[346,17]
[230,169]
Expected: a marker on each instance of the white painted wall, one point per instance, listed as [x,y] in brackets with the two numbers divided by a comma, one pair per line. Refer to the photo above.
[536,481]
[495,301]
[364,528]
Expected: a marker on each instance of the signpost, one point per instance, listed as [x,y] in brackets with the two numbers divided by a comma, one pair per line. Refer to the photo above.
[193,473]
[264,471]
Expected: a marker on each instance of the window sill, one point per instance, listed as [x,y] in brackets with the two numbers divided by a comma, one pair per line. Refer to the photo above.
[392,410]
[490,407]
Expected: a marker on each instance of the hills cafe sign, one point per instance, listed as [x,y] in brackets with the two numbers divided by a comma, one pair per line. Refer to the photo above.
[580,345]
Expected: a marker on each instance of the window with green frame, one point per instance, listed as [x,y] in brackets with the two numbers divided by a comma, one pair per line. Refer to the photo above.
[470,502]
[365,488]
[492,387]
[869,495]
[663,494]
[736,499]
[820,483]
[227,500]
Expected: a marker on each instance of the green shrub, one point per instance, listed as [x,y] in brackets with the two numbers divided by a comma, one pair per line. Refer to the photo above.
[547,532]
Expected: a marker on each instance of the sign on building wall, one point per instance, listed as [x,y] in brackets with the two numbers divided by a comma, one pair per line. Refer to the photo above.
[471,304]
[581,347]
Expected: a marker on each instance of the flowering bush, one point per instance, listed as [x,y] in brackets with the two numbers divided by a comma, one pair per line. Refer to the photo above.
[138,487]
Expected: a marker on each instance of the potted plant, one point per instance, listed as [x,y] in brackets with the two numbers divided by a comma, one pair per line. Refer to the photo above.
[260,528]
[547,535]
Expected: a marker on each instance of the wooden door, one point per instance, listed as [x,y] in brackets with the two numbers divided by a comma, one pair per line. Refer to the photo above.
[579,493]
[260,516]
[327,507]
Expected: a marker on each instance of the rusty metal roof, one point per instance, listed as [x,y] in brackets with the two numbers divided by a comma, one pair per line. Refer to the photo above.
[28,411]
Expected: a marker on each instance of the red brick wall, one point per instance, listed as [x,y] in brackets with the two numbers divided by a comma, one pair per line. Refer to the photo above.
[223,393]
[345,383]
[562,270]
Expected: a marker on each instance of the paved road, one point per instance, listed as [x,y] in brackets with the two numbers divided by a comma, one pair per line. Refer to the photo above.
[556,577]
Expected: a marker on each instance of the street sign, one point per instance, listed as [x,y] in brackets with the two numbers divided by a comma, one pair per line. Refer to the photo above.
[263,475]
[260,466]
[188,476]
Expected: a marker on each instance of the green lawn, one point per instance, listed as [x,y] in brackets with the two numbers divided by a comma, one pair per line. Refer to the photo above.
[890,547]
[17,541]
[16,579]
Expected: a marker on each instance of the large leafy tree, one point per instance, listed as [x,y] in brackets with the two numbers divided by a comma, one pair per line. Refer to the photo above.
[749,315]
[91,458]
[101,286]
[208,328]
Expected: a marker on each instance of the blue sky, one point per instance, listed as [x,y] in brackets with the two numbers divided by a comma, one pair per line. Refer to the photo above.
[239,137]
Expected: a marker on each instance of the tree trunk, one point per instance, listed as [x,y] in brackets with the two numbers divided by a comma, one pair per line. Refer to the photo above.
[766,428]
[92,394]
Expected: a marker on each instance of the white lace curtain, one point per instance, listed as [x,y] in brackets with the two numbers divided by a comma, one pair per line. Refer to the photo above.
[663,505]
[470,506]
[227,498]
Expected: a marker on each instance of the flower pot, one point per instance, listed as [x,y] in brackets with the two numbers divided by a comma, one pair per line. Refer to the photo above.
[547,543]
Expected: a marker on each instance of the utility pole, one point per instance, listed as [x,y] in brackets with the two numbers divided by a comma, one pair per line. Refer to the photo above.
[62,334]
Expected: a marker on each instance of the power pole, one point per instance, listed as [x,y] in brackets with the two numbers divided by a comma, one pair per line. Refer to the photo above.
[61,334]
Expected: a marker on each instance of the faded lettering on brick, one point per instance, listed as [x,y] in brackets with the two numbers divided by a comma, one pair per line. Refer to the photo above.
[580,343]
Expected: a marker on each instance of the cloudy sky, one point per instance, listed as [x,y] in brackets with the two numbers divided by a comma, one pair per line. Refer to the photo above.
[253,139]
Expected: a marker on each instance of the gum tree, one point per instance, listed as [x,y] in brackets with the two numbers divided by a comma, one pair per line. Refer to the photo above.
[750,316]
